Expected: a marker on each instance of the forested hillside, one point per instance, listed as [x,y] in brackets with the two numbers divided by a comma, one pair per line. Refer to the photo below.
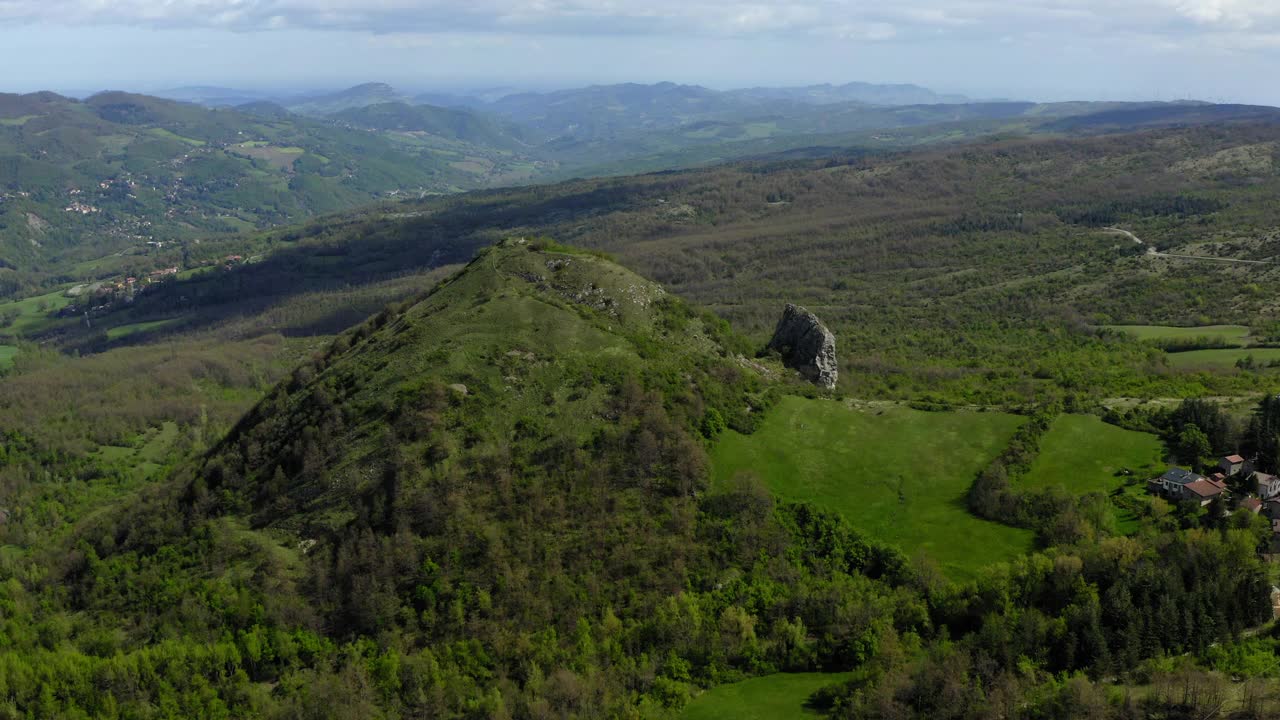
[492,501]
[123,185]
[84,184]
[333,476]
[977,274]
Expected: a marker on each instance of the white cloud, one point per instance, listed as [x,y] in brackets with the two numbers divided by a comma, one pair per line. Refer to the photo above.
[853,19]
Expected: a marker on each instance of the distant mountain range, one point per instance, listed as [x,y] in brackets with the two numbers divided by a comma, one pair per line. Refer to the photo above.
[119,173]
[328,102]
[110,174]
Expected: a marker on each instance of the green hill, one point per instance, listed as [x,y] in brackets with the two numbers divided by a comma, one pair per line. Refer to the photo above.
[353,97]
[499,474]
[122,174]
[448,123]
[495,500]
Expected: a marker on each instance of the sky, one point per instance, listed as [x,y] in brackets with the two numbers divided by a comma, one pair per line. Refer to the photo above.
[1220,50]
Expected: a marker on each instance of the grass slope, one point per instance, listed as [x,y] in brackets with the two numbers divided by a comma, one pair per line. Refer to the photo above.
[1236,334]
[31,314]
[7,354]
[1082,454]
[772,697]
[899,474]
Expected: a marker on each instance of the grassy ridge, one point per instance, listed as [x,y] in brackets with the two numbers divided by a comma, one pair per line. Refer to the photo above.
[900,475]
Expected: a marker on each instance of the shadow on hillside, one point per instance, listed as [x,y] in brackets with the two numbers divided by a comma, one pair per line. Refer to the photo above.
[340,255]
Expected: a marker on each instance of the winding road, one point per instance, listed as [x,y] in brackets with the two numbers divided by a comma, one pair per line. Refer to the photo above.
[1153,252]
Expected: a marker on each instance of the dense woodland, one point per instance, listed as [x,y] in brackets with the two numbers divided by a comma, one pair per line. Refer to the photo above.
[370,541]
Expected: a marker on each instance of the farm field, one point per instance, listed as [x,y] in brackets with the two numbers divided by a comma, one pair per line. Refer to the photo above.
[1235,334]
[771,697]
[897,474]
[1222,358]
[1082,454]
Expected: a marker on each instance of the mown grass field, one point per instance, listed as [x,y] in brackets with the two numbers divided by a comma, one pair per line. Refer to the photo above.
[1235,334]
[897,474]
[772,697]
[1222,358]
[1082,454]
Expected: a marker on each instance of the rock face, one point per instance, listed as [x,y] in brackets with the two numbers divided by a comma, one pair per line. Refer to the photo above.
[806,345]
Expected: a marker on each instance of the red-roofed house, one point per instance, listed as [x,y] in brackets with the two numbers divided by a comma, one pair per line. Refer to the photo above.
[1231,464]
[1251,504]
[1202,491]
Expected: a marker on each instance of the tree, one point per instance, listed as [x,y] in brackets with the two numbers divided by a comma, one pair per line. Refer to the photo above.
[1210,419]
[1264,434]
[1193,446]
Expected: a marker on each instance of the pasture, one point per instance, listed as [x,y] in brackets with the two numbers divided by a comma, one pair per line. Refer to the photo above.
[899,475]
[771,697]
[1082,454]
[31,314]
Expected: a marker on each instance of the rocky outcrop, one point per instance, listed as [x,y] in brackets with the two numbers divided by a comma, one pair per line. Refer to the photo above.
[806,345]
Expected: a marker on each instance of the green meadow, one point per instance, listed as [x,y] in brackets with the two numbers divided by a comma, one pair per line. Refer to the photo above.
[771,697]
[897,474]
[148,453]
[7,354]
[1082,454]
[33,313]
[1235,334]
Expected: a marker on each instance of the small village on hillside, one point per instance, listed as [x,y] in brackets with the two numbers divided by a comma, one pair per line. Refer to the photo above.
[1234,485]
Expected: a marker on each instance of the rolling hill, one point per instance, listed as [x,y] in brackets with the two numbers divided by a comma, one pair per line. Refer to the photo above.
[122,173]
[494,498]
[448,123]
[354,97]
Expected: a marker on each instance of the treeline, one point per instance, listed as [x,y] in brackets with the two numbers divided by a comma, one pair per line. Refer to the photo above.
[1111,212]
[1058,516]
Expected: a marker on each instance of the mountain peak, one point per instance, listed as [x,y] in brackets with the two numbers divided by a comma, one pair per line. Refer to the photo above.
[499,350]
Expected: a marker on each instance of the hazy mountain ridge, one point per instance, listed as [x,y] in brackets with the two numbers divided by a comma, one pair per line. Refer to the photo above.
[110,174]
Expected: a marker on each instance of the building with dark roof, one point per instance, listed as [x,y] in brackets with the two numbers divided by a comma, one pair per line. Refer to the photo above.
[1172,481]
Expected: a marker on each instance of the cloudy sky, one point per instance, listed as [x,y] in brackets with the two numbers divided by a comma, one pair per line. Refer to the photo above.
[1225,50]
